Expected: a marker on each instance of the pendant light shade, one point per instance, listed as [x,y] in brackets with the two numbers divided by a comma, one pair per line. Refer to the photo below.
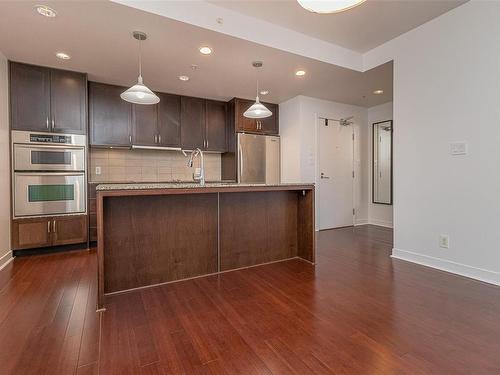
[140,93]
[329,6]
[257,109]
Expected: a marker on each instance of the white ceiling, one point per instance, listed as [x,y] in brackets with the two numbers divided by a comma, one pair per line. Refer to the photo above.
[360,29]
[98,37]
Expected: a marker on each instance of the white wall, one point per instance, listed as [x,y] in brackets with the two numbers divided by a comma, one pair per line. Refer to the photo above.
[298,130]
[5,253]
[446,88]
[378,214]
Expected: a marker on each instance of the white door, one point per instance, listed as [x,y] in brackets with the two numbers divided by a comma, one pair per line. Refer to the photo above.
[335,195]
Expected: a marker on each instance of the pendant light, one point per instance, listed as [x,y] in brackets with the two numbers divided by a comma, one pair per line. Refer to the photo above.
[139,93]
[257,110]
[328,6]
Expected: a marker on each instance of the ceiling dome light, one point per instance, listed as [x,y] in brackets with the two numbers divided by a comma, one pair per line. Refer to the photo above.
[205,50]
[63,56]
[257,109]
[300,73]
[139,93]
[46,11]
[264,92]
[328,6]
[378,92]
[184,78]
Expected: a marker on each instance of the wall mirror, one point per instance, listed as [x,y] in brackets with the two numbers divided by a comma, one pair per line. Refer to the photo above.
[382,162]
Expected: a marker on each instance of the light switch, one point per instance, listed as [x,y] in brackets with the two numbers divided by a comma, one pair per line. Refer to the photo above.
[97,170]
[458,148]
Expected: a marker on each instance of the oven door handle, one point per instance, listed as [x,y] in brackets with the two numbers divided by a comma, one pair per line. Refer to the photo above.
[55,173]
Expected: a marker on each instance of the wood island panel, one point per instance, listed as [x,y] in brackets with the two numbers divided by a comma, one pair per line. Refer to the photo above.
[257,228]
[153,236]
[154,239]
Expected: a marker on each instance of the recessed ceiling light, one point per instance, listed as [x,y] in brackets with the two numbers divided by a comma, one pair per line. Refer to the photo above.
[378,92]
[205,50]
[46,11]
[264,92]
[300,73]
[184,78]
[63,56]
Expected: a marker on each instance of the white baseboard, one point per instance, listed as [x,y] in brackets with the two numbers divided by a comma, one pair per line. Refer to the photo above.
[381,223]
[6,259]
[490,277]
[360,222]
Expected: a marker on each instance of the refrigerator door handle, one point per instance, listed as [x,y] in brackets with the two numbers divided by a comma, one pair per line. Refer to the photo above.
[240,151]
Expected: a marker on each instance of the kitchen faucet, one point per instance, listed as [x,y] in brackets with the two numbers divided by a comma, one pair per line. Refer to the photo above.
[200,176]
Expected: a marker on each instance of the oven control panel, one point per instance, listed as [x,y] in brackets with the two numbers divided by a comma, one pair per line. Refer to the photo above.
[50,138]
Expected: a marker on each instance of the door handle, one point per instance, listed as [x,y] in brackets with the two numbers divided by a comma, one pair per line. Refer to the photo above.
[156,138]
[159,138]
[53,123]
[54,226]
[48,226]
[47,122]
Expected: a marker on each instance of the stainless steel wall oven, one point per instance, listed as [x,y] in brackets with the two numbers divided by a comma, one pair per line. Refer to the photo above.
[49,175]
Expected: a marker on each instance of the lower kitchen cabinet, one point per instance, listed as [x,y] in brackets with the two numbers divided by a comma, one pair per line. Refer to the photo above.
[31,233]
[68,230]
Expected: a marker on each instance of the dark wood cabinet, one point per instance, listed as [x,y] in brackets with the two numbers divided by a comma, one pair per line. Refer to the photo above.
[268,125]
[215,126]
[68,104]
[176,121]
[192,123]
[32,233]
[110,116]
[29,97]
[145,125]
[68,230]
[44,99]
[169,120]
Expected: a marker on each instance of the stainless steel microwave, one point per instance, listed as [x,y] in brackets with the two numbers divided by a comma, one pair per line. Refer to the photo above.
[48,158]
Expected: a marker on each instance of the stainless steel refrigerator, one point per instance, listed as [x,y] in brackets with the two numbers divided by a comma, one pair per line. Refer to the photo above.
[258,159]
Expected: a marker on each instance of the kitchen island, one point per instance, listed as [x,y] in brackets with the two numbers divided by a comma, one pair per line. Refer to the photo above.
[149,234]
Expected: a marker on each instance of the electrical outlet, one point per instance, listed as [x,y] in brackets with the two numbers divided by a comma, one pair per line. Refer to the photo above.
[97,170]
[458,148]
[444,241]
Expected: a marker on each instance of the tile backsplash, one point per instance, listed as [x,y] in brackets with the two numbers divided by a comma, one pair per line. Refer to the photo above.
[148,166]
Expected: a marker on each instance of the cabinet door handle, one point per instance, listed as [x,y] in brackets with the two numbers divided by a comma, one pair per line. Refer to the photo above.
[47,122]
[48,226]
[159,138]
[130,139]
[53,123]
[156,138]
[54,226]
[206,143]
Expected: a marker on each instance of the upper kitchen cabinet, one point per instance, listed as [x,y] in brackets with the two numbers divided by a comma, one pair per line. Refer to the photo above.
[192,123]
[145,125]
[110,116]
[268,125]
[215,126]
[68,101]
[50,100]
[169,120]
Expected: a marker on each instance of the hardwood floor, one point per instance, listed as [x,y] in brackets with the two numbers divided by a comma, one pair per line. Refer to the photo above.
[357,312]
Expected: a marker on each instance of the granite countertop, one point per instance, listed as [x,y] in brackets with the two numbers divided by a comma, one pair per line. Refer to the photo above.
[187,185]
